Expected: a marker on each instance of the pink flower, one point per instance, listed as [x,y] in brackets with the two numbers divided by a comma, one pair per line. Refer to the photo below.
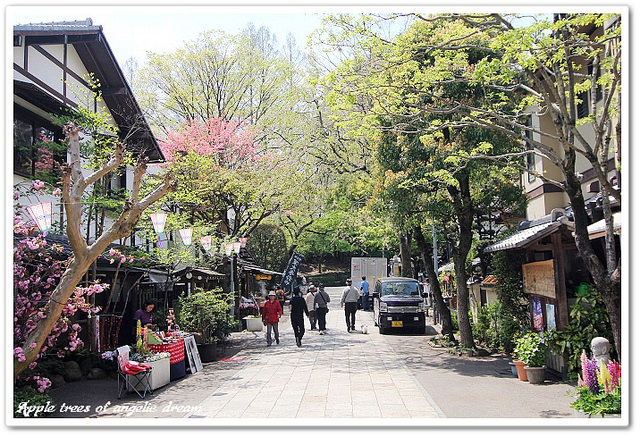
[37,184]
[57,192]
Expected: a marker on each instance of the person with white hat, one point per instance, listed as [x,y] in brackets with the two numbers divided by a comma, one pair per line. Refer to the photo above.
[271,313]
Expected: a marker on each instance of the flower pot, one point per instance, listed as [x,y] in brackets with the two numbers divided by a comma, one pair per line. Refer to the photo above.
[522,374]
[535,375]
[207,352]
[253,324]
[514,371]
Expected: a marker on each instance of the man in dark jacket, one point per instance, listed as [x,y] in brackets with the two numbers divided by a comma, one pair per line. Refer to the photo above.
[298,311]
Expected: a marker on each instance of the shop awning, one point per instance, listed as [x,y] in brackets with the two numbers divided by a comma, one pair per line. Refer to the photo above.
[200,270]
[256,269]
[597,229]
[526,236]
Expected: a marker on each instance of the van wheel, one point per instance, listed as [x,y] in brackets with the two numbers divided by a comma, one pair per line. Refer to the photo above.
[422,330]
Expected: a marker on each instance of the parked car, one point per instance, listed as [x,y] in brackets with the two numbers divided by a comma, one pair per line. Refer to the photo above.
[398,304]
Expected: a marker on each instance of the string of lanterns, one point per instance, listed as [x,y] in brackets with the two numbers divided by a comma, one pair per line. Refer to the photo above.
[41,214]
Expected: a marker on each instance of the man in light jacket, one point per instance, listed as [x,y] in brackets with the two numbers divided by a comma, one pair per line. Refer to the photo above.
[349,301]
[310,298]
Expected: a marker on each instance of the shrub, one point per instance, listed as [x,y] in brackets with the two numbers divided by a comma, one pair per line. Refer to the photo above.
[530,349]
[514,310]
[587,319]
[488,327]
[207,313]
[32,398]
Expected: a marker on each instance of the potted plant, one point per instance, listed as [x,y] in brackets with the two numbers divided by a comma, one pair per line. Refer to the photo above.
[531,350]
[517,362]
[254,323]
[206,314]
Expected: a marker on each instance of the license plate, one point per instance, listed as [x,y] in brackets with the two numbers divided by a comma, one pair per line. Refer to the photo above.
[396,324]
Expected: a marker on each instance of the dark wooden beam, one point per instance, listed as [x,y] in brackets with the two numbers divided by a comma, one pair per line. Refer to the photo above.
[561,287]
[43,85]
[59,64]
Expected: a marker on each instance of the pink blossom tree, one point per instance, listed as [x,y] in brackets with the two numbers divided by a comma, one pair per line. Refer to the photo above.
[38,325]
[230,143]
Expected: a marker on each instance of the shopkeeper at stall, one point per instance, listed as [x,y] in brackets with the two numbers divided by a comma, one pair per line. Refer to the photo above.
[145,315]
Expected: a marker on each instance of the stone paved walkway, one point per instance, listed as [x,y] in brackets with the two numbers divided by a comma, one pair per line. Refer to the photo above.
[337,375]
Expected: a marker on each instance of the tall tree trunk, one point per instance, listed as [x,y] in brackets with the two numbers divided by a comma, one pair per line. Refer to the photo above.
[441,306]
[608,283]
[464,211]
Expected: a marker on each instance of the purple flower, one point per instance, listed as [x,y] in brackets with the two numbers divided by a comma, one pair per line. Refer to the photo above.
[592,376]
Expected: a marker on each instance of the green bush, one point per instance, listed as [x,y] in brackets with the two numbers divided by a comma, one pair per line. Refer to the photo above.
[206,313]
[587,319]
[32,398]
[530,349]
[514,310]
[487,329]
[598,404]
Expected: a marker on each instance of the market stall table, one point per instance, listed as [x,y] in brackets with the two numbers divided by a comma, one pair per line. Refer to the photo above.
[177,368]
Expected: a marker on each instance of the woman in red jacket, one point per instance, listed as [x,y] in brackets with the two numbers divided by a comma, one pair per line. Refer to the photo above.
[271,313]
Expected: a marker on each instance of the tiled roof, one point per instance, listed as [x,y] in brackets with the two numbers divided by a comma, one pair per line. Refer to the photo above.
[490,280]
[58,26]
[524,237]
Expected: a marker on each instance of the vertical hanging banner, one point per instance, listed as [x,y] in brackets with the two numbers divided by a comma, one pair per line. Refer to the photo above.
[290,273]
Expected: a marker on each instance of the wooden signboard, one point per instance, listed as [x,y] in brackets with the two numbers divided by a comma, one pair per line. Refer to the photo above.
[191,351]
[539,278]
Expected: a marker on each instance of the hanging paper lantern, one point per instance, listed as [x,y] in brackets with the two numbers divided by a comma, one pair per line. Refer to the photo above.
[158,219]
[228,249]
[243,241]
[206,242]
[236,247]
[41,214]
[186,235]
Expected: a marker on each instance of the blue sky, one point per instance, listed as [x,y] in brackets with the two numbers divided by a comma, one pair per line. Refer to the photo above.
[131,31]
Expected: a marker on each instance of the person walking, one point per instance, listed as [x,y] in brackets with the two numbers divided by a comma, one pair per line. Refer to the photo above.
[310,298]
[298,310]
[320,301]
[364,290]
[271,313]
[349,301]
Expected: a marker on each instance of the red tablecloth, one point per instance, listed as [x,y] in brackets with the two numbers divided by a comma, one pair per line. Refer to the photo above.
[176,349]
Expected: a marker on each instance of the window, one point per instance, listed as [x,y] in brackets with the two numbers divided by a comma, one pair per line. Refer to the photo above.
[36,146]
[400,289]
[583,105]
